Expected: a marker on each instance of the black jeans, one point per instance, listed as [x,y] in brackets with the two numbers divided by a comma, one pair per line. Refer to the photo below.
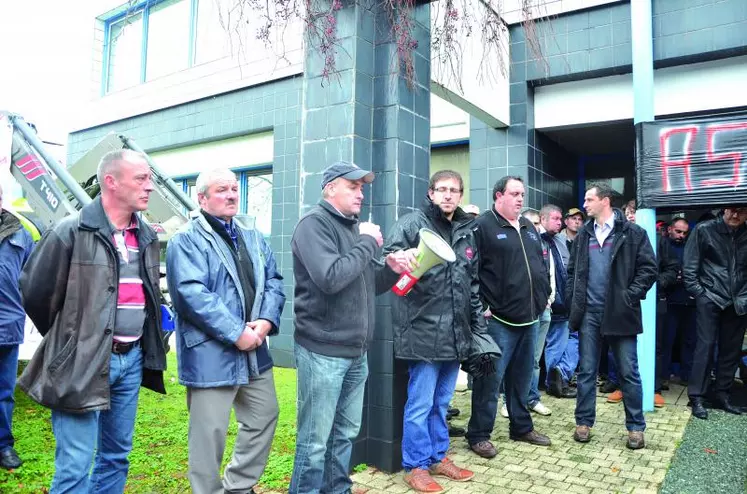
[713,326]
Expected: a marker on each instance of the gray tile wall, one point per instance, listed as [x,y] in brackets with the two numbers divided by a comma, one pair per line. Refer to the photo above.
[275,106]
[697,30]
[589,42]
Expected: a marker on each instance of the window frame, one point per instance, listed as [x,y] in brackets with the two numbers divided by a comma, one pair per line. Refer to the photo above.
[242,174]
[144,8]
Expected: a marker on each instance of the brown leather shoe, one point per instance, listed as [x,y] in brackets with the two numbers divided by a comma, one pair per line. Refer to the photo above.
[615,397]
[658,400]
[533,437]
[420,480]
[635,440]
[582,434]
[484,449]
[446,468]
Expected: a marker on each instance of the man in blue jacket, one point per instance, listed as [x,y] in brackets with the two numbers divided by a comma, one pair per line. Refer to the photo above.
[228,296]
[15,248]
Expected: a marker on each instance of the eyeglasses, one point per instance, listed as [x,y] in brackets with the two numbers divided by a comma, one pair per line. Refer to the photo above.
[444,190]
[736,211]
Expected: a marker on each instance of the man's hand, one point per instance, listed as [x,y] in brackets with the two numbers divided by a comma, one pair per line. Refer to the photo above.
[262,327]
[402,261]
[487,314]
[249,339]
[373,230]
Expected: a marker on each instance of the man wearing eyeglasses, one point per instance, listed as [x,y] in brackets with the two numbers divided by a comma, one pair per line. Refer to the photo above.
[715,272]
[433,328]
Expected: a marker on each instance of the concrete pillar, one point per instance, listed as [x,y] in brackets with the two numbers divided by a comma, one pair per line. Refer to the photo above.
[366,113]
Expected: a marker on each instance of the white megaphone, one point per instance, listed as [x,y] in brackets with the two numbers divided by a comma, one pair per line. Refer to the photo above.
[432,251]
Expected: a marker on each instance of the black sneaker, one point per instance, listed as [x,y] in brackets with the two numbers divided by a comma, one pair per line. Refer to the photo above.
[608,387]
[456,431]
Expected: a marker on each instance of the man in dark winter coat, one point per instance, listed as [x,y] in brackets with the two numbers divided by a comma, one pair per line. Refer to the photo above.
[612,267]
[432,329]
[91,288]
[715,273]
[338,274]
[515,288]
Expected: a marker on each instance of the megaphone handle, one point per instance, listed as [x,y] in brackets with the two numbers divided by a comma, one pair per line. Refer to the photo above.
[404,284]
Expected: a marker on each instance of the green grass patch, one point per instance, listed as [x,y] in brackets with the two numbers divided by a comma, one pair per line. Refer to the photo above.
[158,462]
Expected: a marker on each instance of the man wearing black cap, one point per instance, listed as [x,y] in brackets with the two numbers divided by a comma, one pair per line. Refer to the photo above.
[574,220]
[337,275]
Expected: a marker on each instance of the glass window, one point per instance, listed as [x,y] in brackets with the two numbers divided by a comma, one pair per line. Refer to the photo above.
[168,38]
[125,52]
[213,39]
[192,190]
[259,200]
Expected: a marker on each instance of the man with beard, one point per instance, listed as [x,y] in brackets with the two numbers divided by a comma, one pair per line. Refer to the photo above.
[433,328]
[715,273]
[680,320]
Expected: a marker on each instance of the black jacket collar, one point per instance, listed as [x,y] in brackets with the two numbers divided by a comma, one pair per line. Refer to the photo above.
[435,214]
[503,222]
[334,212]
[93,217]
[621,224]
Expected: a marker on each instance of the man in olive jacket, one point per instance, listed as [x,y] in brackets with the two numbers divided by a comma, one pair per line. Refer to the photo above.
[91,288]
[612,267]
[433,327]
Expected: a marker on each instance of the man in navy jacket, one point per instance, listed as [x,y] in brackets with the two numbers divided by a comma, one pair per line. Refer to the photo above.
[15,248]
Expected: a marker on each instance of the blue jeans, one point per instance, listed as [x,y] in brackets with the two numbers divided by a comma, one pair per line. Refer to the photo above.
[329,414]
[611,367]
[108,433]
[561,350]
[625,350]
[425,434]
[8,372]
[515,365]
[539,346]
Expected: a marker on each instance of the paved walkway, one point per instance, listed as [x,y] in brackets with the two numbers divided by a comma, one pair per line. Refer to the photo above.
[603,465]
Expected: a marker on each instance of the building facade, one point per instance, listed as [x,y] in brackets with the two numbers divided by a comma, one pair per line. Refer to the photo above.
[557,118]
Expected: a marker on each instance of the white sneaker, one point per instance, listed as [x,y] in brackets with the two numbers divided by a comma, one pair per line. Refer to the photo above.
[541,409]
[504,411]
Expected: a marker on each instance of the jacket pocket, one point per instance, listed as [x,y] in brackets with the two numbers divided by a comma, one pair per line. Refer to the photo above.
[194,338]
[63,356]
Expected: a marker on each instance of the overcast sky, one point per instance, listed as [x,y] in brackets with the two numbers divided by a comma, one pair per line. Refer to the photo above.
[46,48]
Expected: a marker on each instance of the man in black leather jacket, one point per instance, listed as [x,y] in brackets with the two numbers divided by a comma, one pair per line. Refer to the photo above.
[715,273]
[433,328]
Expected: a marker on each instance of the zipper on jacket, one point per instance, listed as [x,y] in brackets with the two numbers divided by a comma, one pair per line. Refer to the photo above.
[529,272]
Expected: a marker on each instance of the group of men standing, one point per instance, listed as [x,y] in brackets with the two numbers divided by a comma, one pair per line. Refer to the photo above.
[91,287]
